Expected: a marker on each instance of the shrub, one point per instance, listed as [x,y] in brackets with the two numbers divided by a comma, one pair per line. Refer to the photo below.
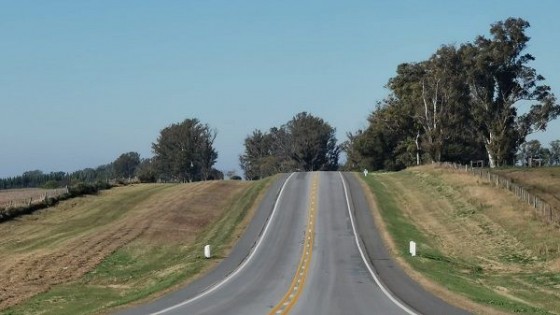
[51,184]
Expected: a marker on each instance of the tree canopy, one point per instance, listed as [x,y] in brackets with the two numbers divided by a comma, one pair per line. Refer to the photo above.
[185,151]
[461,104]
[126,164]
[305,143]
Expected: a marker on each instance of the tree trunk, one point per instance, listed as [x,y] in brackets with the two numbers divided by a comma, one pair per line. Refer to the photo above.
[491,153]
[418,148]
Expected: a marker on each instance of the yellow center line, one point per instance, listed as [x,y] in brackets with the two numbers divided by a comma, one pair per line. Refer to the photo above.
[291,297]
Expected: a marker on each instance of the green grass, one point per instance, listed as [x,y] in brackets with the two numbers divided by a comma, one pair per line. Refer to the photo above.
[454,273]
[139,270]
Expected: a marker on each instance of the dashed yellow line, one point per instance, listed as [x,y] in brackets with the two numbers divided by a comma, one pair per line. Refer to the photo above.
[291,297]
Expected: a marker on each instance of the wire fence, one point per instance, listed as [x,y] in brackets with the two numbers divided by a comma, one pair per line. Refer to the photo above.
[543,209]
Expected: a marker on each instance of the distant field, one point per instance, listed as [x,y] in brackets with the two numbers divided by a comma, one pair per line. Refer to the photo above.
[19,195]
[479,246]
[91,253]
[544,182]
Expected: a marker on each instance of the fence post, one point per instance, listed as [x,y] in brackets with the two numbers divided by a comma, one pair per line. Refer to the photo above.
[543,209]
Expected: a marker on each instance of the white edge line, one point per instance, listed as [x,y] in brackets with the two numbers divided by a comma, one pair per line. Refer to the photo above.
[383,289]
[240,268]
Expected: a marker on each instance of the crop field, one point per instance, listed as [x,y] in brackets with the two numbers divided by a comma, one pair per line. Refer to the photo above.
[93,253]
[479,246]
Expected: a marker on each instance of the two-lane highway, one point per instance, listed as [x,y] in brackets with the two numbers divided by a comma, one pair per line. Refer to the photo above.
[339,281]
[302,254]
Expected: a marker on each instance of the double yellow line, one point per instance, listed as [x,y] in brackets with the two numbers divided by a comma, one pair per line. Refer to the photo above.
[291,297]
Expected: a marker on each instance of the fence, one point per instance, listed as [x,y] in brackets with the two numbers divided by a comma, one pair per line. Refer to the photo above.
[543,209]
[32,198]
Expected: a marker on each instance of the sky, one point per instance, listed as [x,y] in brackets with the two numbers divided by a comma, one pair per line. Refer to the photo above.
[82,82]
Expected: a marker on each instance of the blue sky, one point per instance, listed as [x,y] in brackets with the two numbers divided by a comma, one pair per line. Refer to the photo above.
[83,81]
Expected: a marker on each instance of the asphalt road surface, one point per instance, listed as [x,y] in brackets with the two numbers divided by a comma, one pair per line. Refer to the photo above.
[267,271]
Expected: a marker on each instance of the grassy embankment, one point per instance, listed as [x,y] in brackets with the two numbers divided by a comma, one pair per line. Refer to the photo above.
[91,254]
[479,247]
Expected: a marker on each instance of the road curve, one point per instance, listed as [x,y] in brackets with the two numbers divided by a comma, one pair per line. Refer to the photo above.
[341,277]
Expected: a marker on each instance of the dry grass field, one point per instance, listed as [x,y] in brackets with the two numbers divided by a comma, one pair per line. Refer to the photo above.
[146,223]
[19,195]
[475,240]
[543,182]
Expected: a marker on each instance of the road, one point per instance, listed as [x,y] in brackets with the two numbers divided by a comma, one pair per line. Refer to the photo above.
[300,255]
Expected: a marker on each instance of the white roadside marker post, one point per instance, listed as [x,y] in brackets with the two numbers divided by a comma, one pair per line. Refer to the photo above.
[412,249]
[365,172]
[207,253]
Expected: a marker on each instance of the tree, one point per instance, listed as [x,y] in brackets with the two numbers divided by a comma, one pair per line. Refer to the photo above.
[267,153]
[313,143]
[215,174]
[349,147]
[32,178]
[104,173]
[185,151]
[555,152]
[529,151]
[146,171]
[258,146]
[499,77]
[435,94]
[305,143]
[126,164]
[385,144]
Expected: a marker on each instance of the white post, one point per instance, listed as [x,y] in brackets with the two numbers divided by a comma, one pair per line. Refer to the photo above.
[207,251]
[412,248]
[365,172]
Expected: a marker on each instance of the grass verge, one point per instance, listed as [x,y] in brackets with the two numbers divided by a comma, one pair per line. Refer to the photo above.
[470,240]
[151,264]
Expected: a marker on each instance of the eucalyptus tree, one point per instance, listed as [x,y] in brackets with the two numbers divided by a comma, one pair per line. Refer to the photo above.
[437,95]
[499,79]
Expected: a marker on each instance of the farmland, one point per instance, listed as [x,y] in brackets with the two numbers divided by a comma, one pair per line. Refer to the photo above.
[95,252]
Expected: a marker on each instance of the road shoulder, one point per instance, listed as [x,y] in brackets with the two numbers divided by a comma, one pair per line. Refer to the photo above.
[229,264]
[391,271]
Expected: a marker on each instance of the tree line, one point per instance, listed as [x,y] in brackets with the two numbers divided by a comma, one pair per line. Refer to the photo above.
[461,104]
[36,178]
[533,153]
[183,152]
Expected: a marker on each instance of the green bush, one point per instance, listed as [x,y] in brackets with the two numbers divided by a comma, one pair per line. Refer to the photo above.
[51,184]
